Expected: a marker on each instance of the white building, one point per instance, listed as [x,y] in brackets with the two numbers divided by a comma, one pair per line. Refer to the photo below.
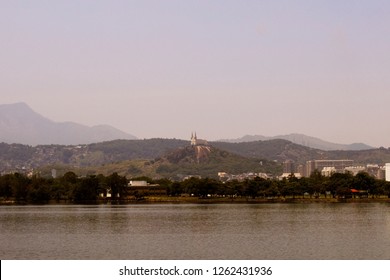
[354,170]
[328,171]
[197,142]
[287,175]
[387,170]
[138,184]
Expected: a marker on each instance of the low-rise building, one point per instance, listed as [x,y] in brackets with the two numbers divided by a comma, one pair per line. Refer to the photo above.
[288,175]
[338,165]
[387,172]
[328,171]
[354,170]
[225,177]
[143,188]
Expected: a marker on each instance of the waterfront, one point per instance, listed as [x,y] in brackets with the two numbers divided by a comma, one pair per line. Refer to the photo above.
[196,231]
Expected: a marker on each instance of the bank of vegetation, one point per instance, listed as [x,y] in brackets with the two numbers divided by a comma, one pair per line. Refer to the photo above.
[18,188]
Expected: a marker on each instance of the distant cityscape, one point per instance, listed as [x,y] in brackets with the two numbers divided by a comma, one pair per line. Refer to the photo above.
[325,167]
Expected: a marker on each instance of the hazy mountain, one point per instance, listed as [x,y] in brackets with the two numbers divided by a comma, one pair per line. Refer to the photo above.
[303,140]
[20,124]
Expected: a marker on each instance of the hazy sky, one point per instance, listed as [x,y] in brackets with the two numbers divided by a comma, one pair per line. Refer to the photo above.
[221,68]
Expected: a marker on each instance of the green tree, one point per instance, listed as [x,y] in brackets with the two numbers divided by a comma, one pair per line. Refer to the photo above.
[386,188]
[39,190]
[5,186]
[86,190]
[255,187]
[234,188]
[207,187]
[317,183]
[191,185]
[341,183]
[20,186]
[117,184]
[64,187]
[364,181]
[272,190]
[70,177]
[175,189]
[305,187]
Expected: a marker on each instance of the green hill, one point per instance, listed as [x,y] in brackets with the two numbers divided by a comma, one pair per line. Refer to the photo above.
[207,161]
[204,161]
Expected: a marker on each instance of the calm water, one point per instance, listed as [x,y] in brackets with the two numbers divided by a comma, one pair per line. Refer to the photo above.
[188,231]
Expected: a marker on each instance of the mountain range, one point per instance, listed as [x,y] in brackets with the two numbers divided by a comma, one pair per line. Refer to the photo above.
[304,140]
[42,145]
[20,124]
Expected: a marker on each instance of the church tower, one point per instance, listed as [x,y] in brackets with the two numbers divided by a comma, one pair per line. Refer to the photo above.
[193,139]
[197,142]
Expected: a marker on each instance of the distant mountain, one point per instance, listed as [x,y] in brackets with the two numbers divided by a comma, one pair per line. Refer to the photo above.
[303,140]
[20,124]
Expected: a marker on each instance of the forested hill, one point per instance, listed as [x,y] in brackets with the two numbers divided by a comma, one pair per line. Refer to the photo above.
[17,156]
[304,140]
[278,150]
[281,150]
[207,161]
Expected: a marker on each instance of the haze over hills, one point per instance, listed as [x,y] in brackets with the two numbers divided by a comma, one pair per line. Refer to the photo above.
[20,124]
[304,140]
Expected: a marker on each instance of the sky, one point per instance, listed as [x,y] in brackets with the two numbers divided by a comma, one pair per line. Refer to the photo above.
[222,68]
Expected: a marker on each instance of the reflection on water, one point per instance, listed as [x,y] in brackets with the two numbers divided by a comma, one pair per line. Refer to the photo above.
[188,231]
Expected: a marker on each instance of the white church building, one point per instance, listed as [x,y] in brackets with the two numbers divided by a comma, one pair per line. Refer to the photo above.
[197,142]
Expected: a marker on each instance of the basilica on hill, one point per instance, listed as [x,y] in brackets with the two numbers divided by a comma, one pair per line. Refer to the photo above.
[197,142]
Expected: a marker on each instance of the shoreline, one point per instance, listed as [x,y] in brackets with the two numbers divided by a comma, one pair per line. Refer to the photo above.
[212,200]
[197,200]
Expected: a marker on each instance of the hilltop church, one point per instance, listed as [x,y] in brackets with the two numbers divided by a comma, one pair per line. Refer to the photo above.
[197,142]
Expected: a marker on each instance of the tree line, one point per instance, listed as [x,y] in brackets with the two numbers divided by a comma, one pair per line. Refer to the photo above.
[337,185]
[71,188]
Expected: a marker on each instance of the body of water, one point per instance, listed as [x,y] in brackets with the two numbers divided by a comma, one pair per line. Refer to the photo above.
[196,231]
